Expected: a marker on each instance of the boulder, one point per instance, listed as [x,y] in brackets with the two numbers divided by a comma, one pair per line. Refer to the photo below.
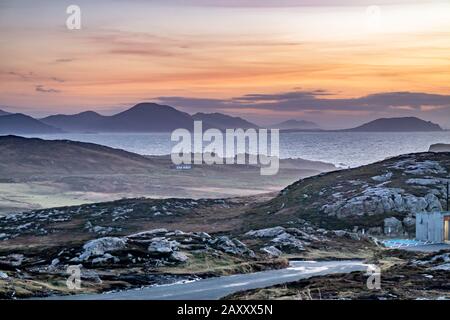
[272,251]
[265,233]
[3,275]
[286,240]
[149,233]
[162,246]
[12,260]
[106,258]
[99,247]
[232,246]
[383,178]
[178,256]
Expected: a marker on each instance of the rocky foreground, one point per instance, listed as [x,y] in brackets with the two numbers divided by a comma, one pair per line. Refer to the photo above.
[138,242]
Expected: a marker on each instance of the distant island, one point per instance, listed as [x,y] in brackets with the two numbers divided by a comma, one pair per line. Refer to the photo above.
[405,124]
[153,117]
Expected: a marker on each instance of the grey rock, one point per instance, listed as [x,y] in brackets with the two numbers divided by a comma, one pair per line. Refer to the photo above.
[106,258]
[149,233]
[179,257]
[265,233]
[231,246]
[162,245]
[286,240]
[444,266]
[383,178]
[3,275]
[12,260]
[101,246]
[272,251]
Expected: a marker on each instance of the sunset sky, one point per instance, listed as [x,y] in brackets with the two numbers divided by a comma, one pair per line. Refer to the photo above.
[338,63]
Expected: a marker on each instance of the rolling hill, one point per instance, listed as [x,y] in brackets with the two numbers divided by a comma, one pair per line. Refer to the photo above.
[18,123]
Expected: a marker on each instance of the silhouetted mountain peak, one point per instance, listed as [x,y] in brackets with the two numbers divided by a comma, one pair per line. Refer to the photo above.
[148,107]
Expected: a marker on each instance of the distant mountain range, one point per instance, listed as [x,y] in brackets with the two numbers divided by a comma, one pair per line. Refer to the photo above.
[152,117]
[295,124]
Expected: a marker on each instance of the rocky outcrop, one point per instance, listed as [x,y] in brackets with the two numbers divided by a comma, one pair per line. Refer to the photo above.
[99,247]
[415,167]
[383,178]
[381,200]
[280,239]
[156,247]
[231,246]
[11,261]
[266,233]
[162,245]
[271,251]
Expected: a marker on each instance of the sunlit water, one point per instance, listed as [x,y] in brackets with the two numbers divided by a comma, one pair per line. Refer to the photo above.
[345,149]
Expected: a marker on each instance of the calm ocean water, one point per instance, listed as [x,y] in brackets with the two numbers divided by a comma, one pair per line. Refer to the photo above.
[346,149]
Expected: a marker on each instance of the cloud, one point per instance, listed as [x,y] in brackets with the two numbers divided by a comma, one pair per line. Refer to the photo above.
[318,100]
[56,79]
[63,60]
[21,75]
[43,89]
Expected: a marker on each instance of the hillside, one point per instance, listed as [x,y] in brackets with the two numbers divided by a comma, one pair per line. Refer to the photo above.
[362,198]
[3,113]
[406,124]
[22,124]
[37,173]
[22,156]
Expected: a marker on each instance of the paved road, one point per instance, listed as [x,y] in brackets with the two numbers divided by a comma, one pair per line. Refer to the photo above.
[428,247]
[216,288]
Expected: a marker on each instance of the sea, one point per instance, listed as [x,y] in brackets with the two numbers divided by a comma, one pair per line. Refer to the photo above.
[343,149]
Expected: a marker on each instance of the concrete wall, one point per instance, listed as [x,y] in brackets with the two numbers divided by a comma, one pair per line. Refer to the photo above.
[430,226]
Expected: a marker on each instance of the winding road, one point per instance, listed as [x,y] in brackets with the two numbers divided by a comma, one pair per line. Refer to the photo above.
[216,288]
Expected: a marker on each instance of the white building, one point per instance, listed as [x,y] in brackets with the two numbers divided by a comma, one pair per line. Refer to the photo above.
[433,226]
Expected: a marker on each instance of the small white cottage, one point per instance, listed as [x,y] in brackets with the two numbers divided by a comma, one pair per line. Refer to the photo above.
[433,226]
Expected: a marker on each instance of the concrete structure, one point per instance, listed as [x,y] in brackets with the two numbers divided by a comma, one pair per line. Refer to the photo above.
[433,226]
